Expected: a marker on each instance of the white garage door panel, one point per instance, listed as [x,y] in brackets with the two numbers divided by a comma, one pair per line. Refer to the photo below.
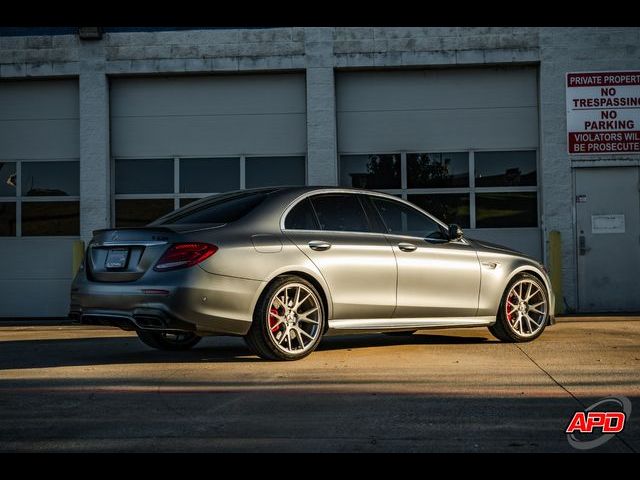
[437,130]
[37,99]
[40,258]
[35,298]
[36,139]
[436,89]
[208,95]
[213,135]
[208,115]
[39,119]
[36,277]
[431,110]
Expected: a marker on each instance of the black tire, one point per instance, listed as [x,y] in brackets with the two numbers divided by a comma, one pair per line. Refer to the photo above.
[258,338]
[168,340]
[502,329]
[406,333]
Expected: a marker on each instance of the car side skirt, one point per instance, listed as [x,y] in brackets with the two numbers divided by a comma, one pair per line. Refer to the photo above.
[338,326]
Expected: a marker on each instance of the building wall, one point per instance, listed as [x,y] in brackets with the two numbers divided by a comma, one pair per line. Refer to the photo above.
[565,50]
[317,52]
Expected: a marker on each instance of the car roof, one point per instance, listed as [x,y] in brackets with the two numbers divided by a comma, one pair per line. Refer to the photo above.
[286,190]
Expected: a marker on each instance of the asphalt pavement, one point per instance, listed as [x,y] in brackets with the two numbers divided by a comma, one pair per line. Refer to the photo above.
[67,388]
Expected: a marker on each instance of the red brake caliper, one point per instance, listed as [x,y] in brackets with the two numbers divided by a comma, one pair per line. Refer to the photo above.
[273,319]
[509,308]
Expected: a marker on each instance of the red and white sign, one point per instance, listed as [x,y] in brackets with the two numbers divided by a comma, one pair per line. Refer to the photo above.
[603,112]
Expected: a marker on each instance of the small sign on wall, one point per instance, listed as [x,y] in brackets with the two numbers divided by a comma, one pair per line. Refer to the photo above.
[607,224]
[603,112]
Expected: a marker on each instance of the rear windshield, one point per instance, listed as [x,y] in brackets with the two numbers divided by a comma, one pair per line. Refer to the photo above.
[217,210]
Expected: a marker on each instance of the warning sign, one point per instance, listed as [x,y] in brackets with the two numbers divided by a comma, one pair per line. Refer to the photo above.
[603,112]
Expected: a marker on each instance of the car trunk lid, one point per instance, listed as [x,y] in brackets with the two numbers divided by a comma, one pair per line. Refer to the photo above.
[125,254]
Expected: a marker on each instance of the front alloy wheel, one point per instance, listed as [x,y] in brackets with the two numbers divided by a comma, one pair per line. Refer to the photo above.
[524,310]
[288,321]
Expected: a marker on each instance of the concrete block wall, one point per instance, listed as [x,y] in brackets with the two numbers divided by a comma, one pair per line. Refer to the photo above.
[318,51]
[95,178]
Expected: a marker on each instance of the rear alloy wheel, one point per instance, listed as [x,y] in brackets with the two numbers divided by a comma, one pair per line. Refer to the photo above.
[168,340]
[524,310]
[288,321]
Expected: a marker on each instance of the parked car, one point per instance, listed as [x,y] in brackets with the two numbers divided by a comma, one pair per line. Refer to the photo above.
[284,266]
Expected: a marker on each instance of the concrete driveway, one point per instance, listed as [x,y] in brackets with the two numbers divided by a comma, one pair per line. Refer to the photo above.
[70,388]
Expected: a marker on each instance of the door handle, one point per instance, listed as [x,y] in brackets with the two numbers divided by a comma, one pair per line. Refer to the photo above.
[406,246]
[319,245]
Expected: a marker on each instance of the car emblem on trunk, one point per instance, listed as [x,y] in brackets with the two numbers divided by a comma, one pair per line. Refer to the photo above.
[114,236]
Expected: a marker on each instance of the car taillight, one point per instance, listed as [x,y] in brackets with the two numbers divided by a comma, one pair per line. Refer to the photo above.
[183,255]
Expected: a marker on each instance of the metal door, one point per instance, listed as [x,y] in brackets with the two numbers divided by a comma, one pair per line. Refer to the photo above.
[435,279]
[608,239]
[360,270]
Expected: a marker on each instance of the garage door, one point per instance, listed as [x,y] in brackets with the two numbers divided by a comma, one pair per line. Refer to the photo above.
[39,195]
[460,142]
[177,139]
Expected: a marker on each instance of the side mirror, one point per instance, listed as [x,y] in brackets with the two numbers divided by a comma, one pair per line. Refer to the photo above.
[455,232]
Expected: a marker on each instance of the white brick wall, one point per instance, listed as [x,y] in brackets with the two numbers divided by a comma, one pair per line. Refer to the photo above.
[322,157]
[94,141]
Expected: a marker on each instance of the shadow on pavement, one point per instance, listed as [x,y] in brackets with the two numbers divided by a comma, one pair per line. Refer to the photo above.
[315,422]
[40,353]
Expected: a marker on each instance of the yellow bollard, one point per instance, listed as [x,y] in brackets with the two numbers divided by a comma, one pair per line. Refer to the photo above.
[76,256]
[555,268]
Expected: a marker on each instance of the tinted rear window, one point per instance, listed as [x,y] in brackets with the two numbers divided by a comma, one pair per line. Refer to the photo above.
[340,213]
[223,210]
[301,217]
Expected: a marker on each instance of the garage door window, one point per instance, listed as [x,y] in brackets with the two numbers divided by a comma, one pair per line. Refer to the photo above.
[7,199]
[274,171]
[138,212]
[505,169]
[203,175]
[476,189]
[437,170]
[450,207]
[146,189]
[7,219]
[40,198]
[144,176]
[374,172]
[502,210]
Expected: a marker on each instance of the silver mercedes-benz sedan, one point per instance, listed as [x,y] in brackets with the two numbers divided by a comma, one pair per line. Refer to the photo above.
[284,266]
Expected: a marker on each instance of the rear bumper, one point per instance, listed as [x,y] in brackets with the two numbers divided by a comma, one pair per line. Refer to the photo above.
[138,319]
[190,300]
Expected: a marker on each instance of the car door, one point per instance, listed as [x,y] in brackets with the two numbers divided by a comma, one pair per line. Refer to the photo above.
[358,265]
[436,277]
